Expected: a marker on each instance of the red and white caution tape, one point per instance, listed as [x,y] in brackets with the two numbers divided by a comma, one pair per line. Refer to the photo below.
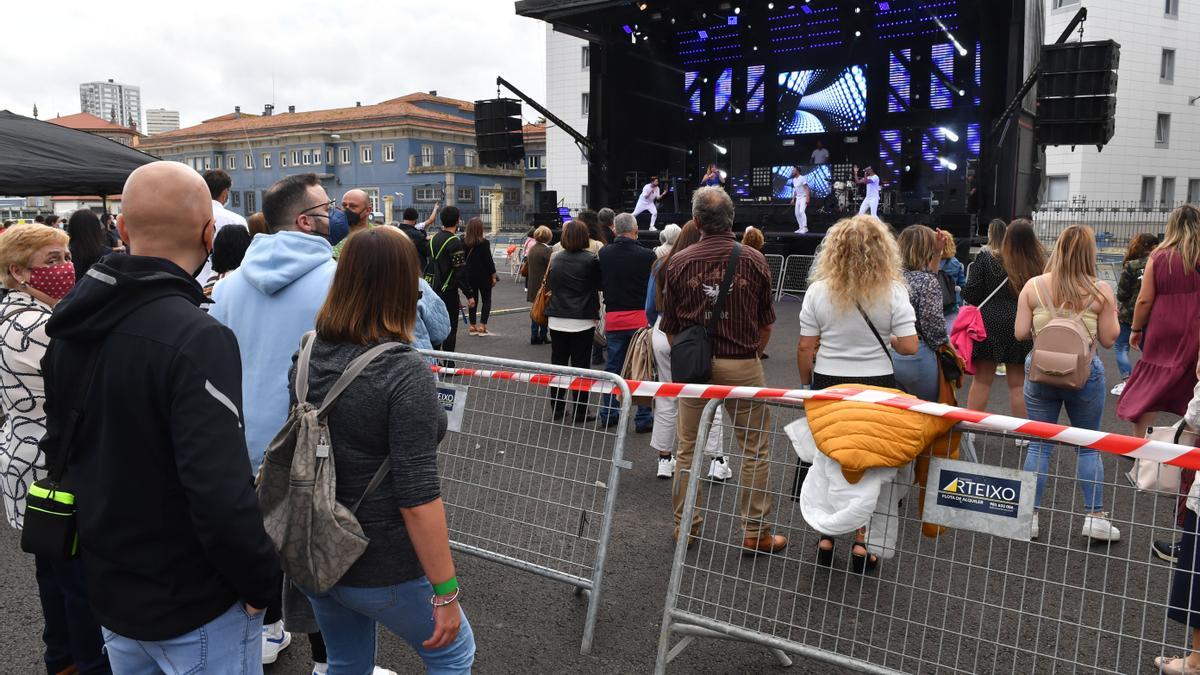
[1135,448]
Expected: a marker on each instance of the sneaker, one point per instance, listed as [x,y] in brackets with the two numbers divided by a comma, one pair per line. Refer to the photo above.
[274,640]
[666,467]
[802,231]
[1033,531]
[1116,391]
[1165,550]
[1001,370]
[1098,528]
[719,470]
[382,671]
[320,668]
[653,229]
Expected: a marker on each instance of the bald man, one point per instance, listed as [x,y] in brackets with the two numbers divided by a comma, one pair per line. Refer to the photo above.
[357,207]
[170,530]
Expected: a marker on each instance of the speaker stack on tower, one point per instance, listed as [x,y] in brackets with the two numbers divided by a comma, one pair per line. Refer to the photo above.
[1077,93]
[498,136]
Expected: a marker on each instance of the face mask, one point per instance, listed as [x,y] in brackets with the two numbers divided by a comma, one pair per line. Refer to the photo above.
[55,280]
[339,226]
[207,255]
[352,218]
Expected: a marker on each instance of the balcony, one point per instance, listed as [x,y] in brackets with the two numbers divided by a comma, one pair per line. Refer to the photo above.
[458,163]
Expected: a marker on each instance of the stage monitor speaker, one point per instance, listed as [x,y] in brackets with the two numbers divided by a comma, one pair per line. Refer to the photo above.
[548,201]
[498,135]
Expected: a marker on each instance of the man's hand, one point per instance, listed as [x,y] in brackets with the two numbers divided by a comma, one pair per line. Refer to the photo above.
[470,302]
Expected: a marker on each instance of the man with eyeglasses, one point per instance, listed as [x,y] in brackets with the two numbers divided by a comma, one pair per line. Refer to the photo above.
[269,303]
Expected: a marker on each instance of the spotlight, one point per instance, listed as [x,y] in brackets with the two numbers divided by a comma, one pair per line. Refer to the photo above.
[770,5]
[947,163]
[642,6]
[907,168]
[858,10]
[737,10]
[962,92]
[723,175]
[953,137]
[858,33]
[720,149]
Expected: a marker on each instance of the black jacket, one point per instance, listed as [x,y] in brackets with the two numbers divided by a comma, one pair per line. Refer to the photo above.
[169,525]
[480,264]
[574,283]
[418,239]
[447,264]
[625,267]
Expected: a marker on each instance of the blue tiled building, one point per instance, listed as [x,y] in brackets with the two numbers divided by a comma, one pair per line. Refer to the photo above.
[408,151]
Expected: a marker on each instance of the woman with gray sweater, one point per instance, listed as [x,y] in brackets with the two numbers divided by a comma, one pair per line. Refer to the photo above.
[388,415]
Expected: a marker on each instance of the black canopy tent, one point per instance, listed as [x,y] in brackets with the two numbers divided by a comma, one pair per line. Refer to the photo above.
[39,158]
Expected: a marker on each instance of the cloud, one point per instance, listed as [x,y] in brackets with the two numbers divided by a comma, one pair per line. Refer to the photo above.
[202,59]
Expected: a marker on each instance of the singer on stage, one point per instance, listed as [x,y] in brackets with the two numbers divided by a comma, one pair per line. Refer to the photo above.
[800,196]
[648,201]
[870,180]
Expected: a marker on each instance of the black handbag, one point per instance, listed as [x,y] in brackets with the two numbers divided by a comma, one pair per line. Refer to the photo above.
[691,350]
[50,528]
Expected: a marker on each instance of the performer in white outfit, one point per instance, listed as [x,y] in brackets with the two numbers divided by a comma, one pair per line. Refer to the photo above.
[800,196]
[870,180]
[648,201]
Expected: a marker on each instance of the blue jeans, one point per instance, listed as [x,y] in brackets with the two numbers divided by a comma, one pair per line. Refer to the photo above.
[1085,408]
[1121,351]
[537,331]
[70,632]
[229,644]
[918,374]
[618,344]
[348,616]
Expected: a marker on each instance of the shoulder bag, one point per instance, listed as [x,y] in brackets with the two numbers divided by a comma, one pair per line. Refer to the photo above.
[691,349]
[538,311]
[1152,476]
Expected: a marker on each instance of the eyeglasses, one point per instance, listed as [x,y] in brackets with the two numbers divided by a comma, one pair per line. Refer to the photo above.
[328,206]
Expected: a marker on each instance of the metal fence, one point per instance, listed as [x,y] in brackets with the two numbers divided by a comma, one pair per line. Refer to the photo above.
[794,277]
[775,263]
[967,601]
[522,487]
[1115,222]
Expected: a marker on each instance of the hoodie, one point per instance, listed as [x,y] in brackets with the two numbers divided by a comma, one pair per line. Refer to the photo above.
[269,303]
[170,529]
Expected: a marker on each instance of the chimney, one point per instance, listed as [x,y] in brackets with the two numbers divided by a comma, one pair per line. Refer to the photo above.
[358,104]
[433,92]
[237,112]
[291,108]
[110,79]
[268,109]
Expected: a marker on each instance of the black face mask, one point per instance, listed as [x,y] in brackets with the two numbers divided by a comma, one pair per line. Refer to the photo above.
[207,255]
[352,218]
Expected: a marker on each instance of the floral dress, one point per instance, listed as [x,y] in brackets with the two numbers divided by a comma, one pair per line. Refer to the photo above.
[23,342]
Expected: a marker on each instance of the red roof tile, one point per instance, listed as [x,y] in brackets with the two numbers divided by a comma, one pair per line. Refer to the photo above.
[89,122]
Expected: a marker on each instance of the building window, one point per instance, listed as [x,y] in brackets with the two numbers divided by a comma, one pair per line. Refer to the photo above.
[1058,189]
[586,101]
[283,159]
[248,160]
[344,154]
[1166,71]
[251,206]
[1193,195]
[535,162]
[305,157]
[1166,196]
[266,163]
[470,157]
[448,154]
[373,195]
[512,195]
[235,199]
[389,152]
[1171,8]
[329,156]
[207,163]
[1059,4]
[365,154]
[231,162]
[295,158]
[1162,131]
[426,155]
[466,195]
[587,56]
[425,194]
[1147,190]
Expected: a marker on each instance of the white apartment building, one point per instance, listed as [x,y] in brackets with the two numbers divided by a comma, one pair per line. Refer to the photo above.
[112,101]
[159,120]
[1154,157]
[568,80]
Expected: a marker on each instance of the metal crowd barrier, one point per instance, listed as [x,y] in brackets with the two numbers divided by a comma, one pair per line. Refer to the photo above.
[521,488]
[794,278]
[980,598]
[775,263]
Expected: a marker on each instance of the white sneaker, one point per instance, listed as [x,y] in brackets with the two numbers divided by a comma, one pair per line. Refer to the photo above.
[719,469]
[320,668]
[382,671]
[1117,390]
[802,231]
[653,228]
[1098,528]
[1033,531]
[666,467]
[1001,370]
[274,640]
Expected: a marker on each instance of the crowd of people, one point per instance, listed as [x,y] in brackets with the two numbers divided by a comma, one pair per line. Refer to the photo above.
[215,331]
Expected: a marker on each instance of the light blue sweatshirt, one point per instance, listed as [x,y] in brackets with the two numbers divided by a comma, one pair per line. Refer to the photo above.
[269,303]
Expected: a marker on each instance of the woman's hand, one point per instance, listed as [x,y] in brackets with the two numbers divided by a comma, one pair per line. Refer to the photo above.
[1135,341]
[495,280]
[447,620]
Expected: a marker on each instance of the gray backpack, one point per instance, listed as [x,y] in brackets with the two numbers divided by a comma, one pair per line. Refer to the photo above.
[318,539]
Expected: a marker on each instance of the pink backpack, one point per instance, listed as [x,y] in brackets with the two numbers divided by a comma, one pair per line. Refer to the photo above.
[1062,349]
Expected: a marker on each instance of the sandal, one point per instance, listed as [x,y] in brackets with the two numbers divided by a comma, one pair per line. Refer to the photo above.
[1174,665]
[862,563]
[473,330]
[825,555]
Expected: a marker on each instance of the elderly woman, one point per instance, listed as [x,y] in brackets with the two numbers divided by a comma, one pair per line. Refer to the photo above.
[666,239]
[536,261]
[35,264]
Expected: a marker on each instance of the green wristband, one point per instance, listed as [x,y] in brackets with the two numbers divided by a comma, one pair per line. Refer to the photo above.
[446,587]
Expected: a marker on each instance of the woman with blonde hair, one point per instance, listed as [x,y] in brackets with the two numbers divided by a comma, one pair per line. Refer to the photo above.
[921,252]
[1164,326]
[1070,289]
[993,284]
[856,304]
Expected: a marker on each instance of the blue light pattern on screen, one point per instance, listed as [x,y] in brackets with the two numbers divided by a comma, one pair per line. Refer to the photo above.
[889,150]
[899,80]
[717,43]
[974,140]
[932,143]
[940,96]
[978,70]
[902,19]
[806,27]
[819,101]
[819,181]
[692,90]
[756,89]
[724,91]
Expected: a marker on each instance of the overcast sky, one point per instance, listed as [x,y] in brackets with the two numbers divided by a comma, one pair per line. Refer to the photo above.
[203,58]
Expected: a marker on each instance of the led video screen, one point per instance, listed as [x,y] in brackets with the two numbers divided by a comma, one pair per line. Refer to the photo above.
[822,101]
[818,177]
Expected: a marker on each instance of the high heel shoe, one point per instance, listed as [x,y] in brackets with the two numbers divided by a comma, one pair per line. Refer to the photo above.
[825,555]
[862,563]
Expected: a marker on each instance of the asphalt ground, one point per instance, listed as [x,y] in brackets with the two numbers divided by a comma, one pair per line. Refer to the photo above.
[526,624]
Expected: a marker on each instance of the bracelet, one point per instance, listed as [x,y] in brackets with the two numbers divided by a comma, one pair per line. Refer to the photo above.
[448,601]
[446,587]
